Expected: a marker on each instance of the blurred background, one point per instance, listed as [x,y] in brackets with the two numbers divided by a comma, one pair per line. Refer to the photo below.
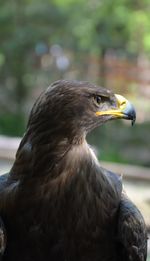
[103,41]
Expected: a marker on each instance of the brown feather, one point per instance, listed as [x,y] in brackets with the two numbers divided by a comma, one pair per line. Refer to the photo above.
[57,202]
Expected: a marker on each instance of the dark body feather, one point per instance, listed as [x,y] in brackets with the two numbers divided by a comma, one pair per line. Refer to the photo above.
[59,204]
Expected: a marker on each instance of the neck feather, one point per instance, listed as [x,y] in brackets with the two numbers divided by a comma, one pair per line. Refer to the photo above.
[40,155]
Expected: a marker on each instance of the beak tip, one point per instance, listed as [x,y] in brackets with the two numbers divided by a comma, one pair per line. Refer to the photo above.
[127,109]
[133,121]
[130,113]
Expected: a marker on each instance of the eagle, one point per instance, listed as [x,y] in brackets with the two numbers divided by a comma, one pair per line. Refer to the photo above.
[58,203]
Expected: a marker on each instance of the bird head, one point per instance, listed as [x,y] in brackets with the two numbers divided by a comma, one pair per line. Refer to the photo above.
[70,109]
[60,118]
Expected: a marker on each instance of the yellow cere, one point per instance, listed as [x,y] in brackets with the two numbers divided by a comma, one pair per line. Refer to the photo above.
[122,102]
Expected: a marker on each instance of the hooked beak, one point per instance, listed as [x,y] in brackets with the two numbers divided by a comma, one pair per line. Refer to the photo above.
[125,110]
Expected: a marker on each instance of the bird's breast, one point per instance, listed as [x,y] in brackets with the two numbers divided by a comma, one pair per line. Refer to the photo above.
[65,219]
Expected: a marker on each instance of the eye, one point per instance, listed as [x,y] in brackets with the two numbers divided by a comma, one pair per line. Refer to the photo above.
[97,100]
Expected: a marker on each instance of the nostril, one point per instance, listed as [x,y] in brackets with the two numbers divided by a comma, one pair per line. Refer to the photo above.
[123,103]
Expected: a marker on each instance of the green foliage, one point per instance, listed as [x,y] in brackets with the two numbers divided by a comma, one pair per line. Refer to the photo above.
[23,25]
[98,25]
[82,27]
[119,142]
[12,125]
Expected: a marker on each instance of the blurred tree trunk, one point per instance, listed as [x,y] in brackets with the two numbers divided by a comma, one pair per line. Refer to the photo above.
[102,67]
[96,68]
